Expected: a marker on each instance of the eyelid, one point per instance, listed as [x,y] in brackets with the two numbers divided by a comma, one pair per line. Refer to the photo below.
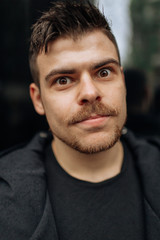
[59,78]
[57,86]
[109,67]
[104,68]
[55,79]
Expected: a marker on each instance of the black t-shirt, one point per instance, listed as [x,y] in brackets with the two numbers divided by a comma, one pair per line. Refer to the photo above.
[109,210]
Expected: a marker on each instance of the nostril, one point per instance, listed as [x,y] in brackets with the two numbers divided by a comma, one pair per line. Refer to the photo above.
[84,101]
[98,98]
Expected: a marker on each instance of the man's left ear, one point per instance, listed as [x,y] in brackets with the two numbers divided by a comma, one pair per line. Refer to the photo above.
[36,98]
[122,72]
[123,77]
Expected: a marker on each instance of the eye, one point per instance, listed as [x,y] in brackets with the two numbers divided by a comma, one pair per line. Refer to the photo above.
[104,73]
[63,81]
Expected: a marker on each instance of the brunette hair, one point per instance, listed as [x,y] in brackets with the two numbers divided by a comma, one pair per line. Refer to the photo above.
[65,18]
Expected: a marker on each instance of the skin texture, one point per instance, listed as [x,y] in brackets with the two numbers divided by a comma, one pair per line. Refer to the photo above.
[83,95]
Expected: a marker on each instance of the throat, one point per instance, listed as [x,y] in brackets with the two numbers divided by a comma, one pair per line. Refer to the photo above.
[89,167]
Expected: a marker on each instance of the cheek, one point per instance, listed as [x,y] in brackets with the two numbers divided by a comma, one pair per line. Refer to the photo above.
[57,108]
[118,100]
[122,104]
[117,96]
[122,99]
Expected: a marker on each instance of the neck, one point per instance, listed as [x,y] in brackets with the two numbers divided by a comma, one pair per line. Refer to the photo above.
[89,167]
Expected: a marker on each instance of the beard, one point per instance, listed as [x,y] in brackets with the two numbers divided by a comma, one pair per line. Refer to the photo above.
[101,141]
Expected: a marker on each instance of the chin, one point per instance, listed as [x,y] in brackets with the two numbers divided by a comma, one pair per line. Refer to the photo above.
[94,143]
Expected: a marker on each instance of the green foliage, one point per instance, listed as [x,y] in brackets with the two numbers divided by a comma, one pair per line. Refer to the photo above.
[146,33]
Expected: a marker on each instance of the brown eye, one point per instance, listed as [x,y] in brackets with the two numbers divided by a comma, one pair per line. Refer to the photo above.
[63,81]
[104,72]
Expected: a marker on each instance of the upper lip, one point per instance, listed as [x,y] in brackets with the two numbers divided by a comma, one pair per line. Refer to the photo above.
[94,116]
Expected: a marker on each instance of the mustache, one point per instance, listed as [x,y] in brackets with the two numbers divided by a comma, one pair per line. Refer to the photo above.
[96,108]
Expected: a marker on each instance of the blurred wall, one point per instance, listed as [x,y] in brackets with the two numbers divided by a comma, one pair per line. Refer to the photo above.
[18,120]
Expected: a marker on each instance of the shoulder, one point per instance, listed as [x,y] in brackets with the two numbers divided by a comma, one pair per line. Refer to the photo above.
[37,144]
[145,147]
[23,186]
[22,168]
[146,154]
[21,159]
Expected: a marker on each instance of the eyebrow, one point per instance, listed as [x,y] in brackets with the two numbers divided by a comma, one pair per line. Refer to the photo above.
[59,71]
[105,62]
[73,71]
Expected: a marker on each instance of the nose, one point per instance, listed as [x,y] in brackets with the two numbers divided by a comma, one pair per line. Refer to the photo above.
[88,91]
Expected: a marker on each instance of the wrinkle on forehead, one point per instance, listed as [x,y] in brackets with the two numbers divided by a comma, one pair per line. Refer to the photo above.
[65,52]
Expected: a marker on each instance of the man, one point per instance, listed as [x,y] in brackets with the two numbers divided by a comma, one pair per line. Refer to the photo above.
[85,180]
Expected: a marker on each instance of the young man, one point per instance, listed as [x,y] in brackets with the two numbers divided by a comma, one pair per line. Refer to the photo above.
[85,180]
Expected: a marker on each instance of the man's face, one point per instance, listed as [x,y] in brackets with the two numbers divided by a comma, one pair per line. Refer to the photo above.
[82,92]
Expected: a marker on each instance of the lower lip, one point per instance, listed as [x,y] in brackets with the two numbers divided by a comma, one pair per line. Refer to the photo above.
[95,122]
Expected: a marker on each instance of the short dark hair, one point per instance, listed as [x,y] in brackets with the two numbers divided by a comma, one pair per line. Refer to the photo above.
[65,18]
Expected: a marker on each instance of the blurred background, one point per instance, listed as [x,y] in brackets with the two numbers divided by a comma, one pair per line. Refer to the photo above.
[136,25]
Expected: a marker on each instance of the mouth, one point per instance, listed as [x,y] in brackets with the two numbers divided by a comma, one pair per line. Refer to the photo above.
[94,121]
[94,116]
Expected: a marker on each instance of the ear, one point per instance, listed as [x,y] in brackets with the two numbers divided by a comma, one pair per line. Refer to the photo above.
[123,77]
[36,98]
[122,72]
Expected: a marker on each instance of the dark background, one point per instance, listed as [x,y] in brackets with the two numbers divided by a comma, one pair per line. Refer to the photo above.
[18,120]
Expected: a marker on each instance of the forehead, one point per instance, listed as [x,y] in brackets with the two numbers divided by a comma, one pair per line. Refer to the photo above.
[89,47]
